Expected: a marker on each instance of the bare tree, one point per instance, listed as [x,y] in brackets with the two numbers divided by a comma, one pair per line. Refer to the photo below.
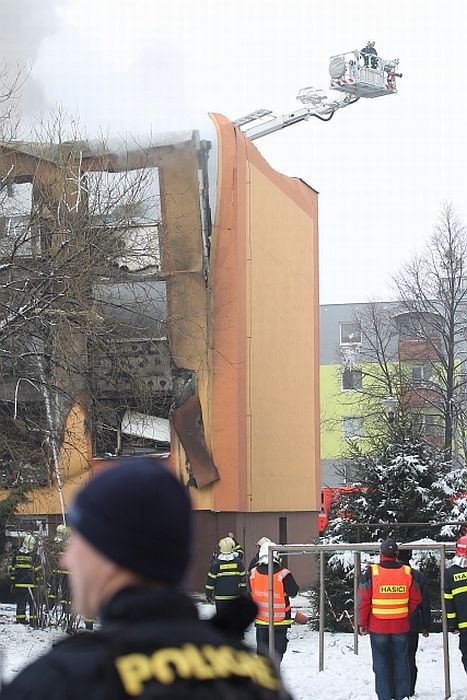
[415,349]
[433,293]
[82,301]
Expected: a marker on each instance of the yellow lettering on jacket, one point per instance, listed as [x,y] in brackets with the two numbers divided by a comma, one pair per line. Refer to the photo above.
[393,589]
[460,576]
[192,662]
[169,664]
[133,669]
[200,667]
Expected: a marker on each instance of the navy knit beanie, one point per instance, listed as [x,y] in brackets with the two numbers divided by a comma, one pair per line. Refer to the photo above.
[138,515]
[389,547]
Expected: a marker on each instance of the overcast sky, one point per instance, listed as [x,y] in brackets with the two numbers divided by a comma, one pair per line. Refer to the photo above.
[383,167]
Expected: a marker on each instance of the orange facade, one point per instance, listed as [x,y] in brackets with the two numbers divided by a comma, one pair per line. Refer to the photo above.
[265,349]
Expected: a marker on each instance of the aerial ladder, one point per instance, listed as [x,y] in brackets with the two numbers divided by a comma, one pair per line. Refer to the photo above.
[355,74]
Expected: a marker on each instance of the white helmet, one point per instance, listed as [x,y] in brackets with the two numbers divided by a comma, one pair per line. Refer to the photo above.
[29,543]
[62,533]
[263,553]
[226,545]
[262,540]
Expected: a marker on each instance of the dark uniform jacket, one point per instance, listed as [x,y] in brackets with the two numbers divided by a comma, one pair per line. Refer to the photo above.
[25,569]
[455,596]
[226,578]
[151,645]
[254,562]
[420,619]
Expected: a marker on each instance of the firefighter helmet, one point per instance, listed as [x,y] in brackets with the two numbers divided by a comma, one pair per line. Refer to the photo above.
[262,540]
[226,545]
[264,553]
[62,533]
[461,546]
[29,542]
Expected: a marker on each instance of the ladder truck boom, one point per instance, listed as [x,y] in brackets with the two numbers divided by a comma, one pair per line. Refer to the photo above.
[354,74]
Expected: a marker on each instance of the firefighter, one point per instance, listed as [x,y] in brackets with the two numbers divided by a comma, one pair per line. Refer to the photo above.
[254,561]
[226,576]
[285,587]
[370,55]
[128,553]
[59,590]
[25,574]
[388,594]
[237,546]
[455,596]
[419,620]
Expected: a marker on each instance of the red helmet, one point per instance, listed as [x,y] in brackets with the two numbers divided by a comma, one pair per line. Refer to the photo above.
[461,546]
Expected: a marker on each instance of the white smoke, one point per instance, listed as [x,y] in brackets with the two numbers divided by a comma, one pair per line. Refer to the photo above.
[24,24]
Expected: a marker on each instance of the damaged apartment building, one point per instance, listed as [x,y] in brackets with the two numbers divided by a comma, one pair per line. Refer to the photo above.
[162,300]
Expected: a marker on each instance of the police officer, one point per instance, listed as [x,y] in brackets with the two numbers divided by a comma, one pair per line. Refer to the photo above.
[25,573]
[388,595]
[226,578]
[455,596]
[284,587]
[128,552]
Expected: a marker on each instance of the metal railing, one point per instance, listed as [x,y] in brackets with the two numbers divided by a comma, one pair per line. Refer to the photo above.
[322,549]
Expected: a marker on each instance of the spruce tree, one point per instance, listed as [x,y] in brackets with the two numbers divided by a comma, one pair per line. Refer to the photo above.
[403,481]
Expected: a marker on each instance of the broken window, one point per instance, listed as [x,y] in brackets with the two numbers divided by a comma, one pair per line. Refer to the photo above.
[24,453]
[119,429]
[126,206]
[16,237]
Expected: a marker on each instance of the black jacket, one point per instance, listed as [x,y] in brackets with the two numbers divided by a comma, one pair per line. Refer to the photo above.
[455,597]
[25,569]
[226,578]
[420,619]
[152,644]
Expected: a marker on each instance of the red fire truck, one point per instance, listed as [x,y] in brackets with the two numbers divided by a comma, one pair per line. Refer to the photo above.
[329,495]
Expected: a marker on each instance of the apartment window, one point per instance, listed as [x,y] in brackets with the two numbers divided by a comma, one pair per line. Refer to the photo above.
[421,374]
[426,424]
[15,220]
[352,427]
[128,205]
[351,380]
[128,432]
[350,333]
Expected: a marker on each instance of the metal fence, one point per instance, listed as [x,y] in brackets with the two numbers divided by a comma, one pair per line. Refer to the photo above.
[322,550]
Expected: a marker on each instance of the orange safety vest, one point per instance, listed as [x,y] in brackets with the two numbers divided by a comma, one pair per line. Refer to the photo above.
[259,593]
[390,590]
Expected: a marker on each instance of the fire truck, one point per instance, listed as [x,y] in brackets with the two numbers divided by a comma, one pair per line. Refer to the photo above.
[329,495]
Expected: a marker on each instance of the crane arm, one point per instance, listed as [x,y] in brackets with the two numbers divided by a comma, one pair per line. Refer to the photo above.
[320,109]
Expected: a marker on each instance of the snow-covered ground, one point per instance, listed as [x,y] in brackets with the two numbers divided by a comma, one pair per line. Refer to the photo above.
[346,676]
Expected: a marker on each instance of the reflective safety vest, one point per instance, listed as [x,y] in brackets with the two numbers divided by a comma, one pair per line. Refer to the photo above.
[390,592]
[259,593]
